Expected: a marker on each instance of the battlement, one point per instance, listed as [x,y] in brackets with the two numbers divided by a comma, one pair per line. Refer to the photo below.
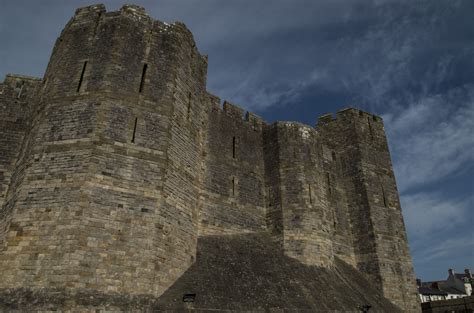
[236,112]
[18,86]
[13,79]
[345,115]
[134,10]
[93,55]
[96,10]
[138,13]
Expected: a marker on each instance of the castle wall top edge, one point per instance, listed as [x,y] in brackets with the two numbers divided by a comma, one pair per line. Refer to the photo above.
[346,114]
[135,12]
[100,8]
[19,76]
[234,111]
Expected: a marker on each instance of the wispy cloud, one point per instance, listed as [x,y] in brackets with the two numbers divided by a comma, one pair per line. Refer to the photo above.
[441,248]
[440,232]
[430,213]
[433,137]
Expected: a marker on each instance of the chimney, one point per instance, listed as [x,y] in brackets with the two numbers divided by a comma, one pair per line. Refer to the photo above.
[418,282]
[450,271]
[468,273]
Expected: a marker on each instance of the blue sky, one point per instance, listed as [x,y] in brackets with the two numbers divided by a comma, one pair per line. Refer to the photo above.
[412,62]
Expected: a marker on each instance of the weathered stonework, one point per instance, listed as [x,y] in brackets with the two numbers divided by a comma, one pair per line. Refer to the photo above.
[117,162]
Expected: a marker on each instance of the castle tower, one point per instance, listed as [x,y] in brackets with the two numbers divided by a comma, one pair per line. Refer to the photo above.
[104,199]
[376,222]
[300,215]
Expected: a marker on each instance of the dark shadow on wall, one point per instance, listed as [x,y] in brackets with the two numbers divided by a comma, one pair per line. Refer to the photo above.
[250,273]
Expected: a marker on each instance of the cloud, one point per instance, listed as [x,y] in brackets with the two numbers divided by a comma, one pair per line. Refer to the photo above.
[379,52]
[445,248]
[432,138]
[440,232]
[430,213]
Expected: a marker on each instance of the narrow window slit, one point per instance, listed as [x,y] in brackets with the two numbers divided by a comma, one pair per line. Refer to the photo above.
[310,197]
[142,82]
[328,178]
[370,128]
[268,197]
[134,129]
[233,186]
[384,198]
[82,76]
[233,147]
[189,106]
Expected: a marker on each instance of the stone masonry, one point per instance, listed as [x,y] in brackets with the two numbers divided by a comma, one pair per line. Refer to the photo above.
[116,162]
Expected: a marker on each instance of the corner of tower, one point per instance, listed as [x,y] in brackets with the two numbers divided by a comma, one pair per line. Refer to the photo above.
[91,9]
[348,115]
[353,113]
[135,11]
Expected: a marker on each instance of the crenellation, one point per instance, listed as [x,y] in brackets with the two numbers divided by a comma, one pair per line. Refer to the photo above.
[134,10]
[233,111]
[117,163]
[95,8]
[256,121]
[214,102]
[326,118]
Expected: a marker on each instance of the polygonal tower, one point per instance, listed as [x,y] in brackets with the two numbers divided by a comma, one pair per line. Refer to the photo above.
[104,198]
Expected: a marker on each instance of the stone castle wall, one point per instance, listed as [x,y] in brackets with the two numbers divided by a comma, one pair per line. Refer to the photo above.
[118,160]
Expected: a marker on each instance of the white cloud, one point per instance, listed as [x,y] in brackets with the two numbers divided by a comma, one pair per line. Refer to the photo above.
[432,138]
[429,213]
[445,248]
[440,232]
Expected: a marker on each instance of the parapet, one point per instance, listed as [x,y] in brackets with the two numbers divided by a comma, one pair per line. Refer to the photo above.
[131,9]
[255,120]
[134,10]
[326,118]
[345,115]
[214,102]
[233,111]
[19,84]
[12,79]
[300,129]
[352,112]
[123,52]
[96,8]
[93,11]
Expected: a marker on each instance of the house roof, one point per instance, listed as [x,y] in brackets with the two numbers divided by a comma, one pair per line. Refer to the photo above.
[429,284]
[461,276]
[431,291]
[452,290]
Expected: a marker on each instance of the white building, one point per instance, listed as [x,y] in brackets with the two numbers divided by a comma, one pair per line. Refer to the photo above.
[457,285]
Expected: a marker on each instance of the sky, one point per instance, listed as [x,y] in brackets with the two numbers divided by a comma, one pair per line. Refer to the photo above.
[409,61]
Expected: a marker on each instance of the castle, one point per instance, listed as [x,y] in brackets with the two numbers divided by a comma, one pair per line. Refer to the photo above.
[125,185]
